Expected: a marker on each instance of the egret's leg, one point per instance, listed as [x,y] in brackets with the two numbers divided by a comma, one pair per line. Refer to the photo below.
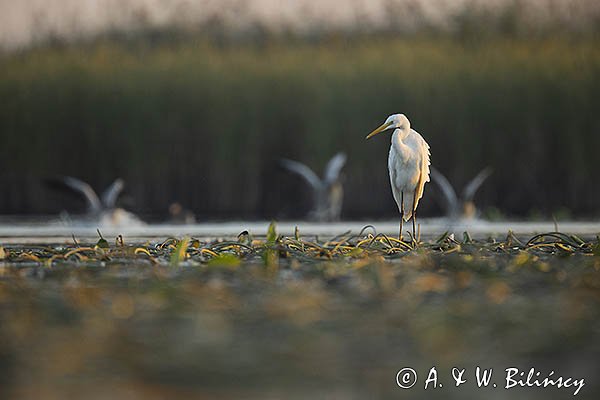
[414,216]
[401,214]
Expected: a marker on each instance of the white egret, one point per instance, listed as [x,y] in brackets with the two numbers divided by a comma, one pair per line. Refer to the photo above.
[328,192]
[103,210]
[463,206]
[408,164]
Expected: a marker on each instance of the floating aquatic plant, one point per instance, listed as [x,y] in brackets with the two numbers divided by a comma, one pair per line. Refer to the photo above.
[272,249]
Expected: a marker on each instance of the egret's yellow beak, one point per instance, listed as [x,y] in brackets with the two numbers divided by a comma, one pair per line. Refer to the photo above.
[379,130]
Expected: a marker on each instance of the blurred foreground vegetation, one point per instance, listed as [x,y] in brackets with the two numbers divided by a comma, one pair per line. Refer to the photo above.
[205,123]
[295,317]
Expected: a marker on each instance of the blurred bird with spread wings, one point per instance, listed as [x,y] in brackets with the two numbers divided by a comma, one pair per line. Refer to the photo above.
[101,210]
[328,192]
[463,206]
[408,165]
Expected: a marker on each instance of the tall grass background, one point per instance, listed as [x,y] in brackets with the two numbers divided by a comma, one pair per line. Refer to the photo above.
[204,122]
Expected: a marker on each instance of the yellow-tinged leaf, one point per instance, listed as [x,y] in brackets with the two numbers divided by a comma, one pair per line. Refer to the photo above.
[210,252]
[544,266]
[564,248]
[224,260]
[142,251]
[50,260]
[468,258]
[357,253]
[77,250]
[30,257]
[180,252]
[272,232]
[522,258]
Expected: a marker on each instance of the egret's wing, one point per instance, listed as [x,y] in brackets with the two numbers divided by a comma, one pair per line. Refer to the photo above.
[425,163]
[93,202]
[473,186]
[305,172]
[447,189]
[333,168]
[393,170]
[110,195]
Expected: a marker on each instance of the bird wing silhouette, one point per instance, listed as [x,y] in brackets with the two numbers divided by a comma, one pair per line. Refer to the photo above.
[77,185]
[110,195]
[447,190]
[305,172]
[473,186]
[334,167]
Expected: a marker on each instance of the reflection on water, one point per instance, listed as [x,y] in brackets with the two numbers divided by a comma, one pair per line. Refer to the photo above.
[16,230]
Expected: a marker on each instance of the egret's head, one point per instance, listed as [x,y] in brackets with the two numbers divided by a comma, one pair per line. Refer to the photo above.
[395,121]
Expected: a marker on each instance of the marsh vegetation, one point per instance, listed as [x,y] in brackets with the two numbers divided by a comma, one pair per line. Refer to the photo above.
[294,316]
[195,109]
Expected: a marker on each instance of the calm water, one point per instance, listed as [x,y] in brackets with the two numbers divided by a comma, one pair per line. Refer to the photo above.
[29,231]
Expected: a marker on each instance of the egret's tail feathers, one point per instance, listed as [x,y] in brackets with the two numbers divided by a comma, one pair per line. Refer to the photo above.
[407,215]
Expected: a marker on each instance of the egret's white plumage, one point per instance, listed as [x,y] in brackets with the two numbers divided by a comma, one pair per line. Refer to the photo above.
[408,164]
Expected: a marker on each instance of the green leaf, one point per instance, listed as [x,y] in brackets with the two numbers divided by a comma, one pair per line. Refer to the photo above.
[102,243]
[443,237]
[467,238]
[577,240]
[356,252]
[272,233]
[180,251]
[271,256]
[224,260]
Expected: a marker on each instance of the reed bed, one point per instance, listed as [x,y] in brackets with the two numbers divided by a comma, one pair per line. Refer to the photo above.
[200,123]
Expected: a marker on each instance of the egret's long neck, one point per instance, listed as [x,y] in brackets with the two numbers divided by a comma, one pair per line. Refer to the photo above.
[397,142]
